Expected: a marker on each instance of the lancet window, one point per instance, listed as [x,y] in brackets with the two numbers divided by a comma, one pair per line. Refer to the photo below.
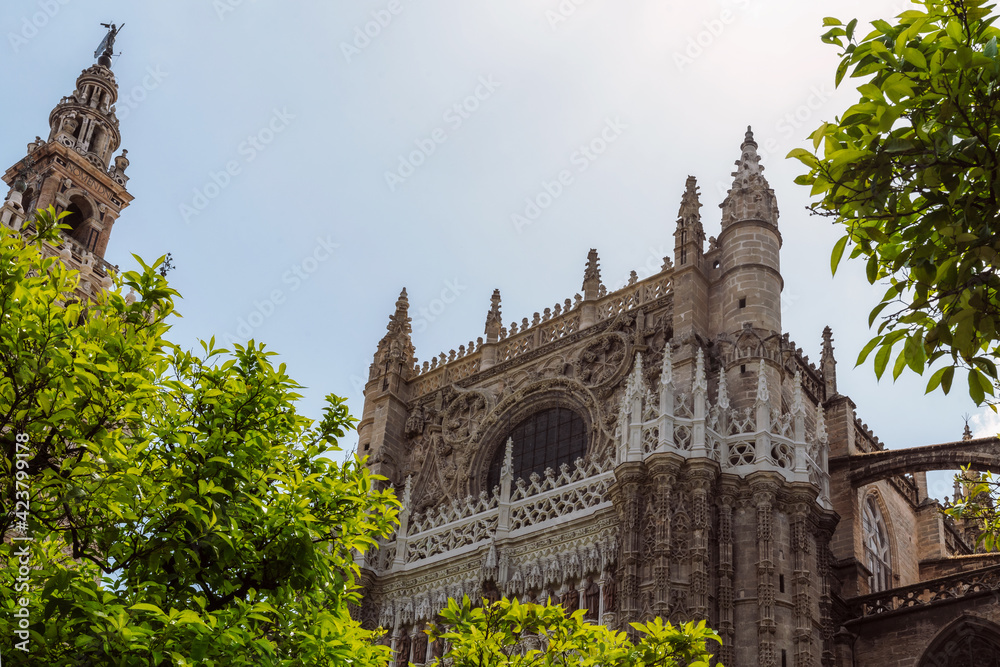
[877,556]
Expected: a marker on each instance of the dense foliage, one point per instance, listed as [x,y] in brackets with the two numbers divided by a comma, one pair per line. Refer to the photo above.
[912,172]
[510,634]
[171,508]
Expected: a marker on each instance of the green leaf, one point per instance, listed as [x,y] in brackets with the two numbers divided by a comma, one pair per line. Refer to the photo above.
[915,58]
[882,360]
[838,253]
[975,387]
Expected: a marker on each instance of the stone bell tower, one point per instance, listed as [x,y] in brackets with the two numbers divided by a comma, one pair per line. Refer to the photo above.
[72,170]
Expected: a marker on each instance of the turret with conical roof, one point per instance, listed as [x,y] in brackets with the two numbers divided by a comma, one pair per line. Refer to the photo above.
[750,243]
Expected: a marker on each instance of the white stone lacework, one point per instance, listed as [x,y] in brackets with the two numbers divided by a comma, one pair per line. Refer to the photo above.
[479,529]
[573,498]
[522,506]
[742,441]
[454,511]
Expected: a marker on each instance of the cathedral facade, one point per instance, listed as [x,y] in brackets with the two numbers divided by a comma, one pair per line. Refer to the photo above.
[659,450]
[666,450]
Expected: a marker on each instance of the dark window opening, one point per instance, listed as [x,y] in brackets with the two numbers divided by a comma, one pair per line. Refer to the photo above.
[784,658]
[79,212]
[546,439]
[28,201]
[781,583]
[743,302]
[716,264]
[743,368]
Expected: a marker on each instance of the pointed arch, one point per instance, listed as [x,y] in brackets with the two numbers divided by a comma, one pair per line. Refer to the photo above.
[967,641]
[877,543]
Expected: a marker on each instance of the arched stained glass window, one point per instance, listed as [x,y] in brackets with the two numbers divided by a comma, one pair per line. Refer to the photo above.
[546,439]
[877,555]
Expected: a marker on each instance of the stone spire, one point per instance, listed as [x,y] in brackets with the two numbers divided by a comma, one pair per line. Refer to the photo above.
[592,276]
[828,365]
[689,237]
[493,321]
[750,198]
[396,347]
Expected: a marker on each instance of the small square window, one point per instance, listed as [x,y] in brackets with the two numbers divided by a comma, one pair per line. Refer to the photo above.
[743,302]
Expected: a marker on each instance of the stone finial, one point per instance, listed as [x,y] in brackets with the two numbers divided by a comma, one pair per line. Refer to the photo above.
[396,345]
[798,402]
[493,319]
[122,162]
[763,395]
[723,398]
[700,383]
[507,470]
[828,364]
[689,215]
[407,492]
[967,434]
[592,276]
[634,386]
[667,369]
[399,322]
[750,197]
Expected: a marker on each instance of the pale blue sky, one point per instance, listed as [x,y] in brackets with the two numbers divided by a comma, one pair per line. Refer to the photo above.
[308,114]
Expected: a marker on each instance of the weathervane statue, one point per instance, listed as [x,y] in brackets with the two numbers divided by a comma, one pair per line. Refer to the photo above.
[106,48]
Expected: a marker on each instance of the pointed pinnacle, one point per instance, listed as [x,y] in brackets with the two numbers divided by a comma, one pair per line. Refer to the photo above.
[667,369]
[798,404]
[820,424]
[748,139]
[722,400]
[700,381]
[763,396]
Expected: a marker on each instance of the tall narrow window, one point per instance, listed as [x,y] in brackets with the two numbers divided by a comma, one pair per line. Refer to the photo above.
[546,439]
[877,555]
